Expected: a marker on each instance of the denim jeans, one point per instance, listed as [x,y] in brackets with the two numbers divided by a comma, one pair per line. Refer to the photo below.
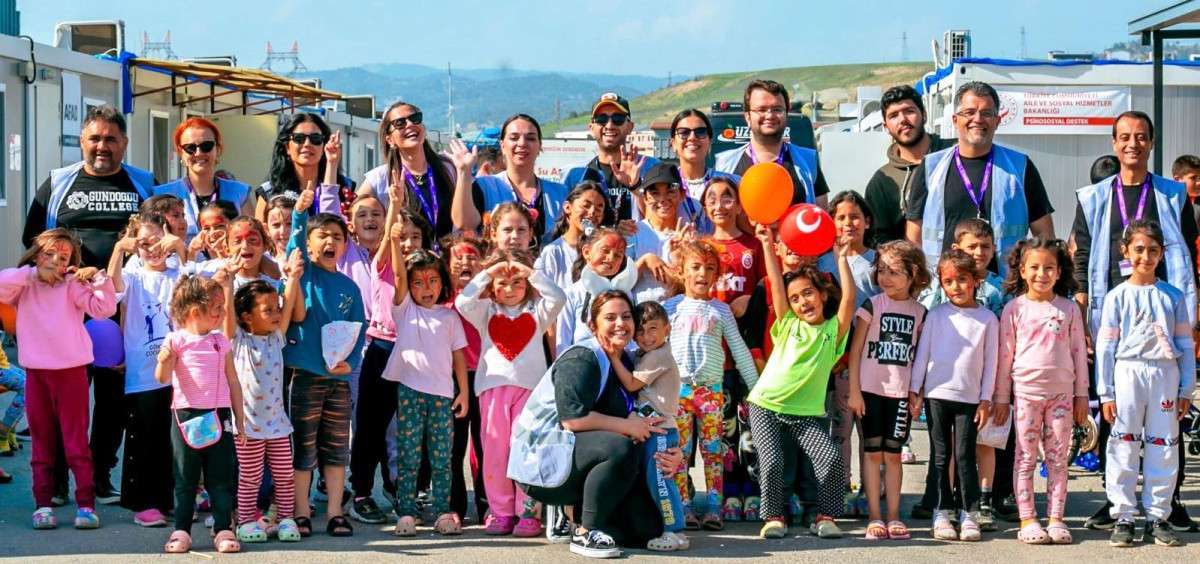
[663,489]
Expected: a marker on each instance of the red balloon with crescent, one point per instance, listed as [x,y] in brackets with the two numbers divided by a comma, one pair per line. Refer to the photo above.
[807,230]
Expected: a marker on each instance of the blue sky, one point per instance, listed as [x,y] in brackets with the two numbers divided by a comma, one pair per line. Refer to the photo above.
[615,36]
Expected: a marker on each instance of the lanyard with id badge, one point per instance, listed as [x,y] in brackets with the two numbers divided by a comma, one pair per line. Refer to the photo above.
[1125,264]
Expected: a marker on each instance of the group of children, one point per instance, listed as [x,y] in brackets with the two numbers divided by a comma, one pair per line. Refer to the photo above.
[758,358]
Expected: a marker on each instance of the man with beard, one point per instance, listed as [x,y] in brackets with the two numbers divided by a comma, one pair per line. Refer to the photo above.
[887,192]
[977,178]
[94,198]
[766,111]
[615,166]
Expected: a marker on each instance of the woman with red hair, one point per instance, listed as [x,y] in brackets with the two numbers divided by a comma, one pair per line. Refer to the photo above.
[198,144]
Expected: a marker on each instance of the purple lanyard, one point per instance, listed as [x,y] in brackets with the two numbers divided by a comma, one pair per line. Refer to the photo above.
[977,199]
[531,205]
[778,158]
[1141,200]
[431,211]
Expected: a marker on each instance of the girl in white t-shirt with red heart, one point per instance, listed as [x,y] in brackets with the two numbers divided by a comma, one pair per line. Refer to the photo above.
[511,305]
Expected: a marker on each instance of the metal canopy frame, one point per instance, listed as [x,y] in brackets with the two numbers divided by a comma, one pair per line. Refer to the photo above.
[1153,29]
[291,94]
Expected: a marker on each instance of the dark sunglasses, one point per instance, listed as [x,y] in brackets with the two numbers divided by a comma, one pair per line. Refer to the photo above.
[314,138]
[414,118]
[685,132]
[616,119]
[203,147]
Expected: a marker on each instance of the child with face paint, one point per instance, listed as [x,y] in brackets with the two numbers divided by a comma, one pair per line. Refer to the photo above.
[602,265]
[511,305]
[583,210]
[52,294]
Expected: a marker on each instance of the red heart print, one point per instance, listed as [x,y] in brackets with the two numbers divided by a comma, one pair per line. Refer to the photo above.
[511,335]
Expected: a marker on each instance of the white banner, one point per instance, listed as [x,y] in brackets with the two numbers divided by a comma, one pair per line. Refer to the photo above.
[1061,110]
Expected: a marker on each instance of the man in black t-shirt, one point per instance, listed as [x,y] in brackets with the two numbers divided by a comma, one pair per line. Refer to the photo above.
[94,199]
[610,126]
[969,179]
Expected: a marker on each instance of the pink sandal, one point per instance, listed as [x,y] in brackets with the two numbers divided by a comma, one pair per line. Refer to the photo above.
[226,542]
[178,543]
[1032,533]
[1059,533]
[876,530]
[897,530]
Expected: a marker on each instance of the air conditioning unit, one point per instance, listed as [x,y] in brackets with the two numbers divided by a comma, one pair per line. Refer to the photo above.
[91,37]
[956,44]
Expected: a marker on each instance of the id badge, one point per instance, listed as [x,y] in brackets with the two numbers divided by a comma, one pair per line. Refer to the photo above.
[1126,267]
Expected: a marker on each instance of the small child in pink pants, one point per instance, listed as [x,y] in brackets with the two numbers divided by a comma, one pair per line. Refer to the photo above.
[1043,363]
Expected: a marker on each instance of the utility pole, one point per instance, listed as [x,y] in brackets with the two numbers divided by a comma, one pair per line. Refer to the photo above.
[904,46]
[1024,54]
[450,99]
[557,109]
[668,79]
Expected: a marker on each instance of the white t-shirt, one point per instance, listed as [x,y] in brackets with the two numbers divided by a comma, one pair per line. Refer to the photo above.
[147,299]
[258,360]
[647,241]
[556,262]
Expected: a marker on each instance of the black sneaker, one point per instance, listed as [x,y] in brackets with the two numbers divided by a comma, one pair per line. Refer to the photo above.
[60,497]
[1162,532]
[594,544]
[986,521]
[1122,535]
[920,512]
[561,529]
[106,494]
[1102,520]
[1179,519]
[1006,510]
[365,511]
[23,435]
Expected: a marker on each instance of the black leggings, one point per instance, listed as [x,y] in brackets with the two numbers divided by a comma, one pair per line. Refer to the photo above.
[606,479]
[146,476]
[218,463]
[374,412]
[954,419]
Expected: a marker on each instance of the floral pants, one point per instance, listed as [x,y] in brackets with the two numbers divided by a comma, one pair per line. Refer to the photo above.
[700,415]
[423,421]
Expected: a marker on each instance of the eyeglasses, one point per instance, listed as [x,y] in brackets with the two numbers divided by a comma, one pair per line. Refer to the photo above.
[776,111]
[203,147]
[616,119]
[971,114]
[314,138]
[686,132]
[402,122]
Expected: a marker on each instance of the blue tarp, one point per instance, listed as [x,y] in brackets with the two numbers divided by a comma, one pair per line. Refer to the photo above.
[923,85]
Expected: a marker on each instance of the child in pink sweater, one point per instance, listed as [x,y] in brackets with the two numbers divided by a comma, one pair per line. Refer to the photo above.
[52,295]
[1043,363]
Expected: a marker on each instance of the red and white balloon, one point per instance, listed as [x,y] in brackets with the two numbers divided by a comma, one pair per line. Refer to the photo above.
[807,230]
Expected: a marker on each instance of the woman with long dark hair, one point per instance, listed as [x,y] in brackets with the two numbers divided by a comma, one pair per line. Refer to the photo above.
[520,142]
[410,161]
[298,160]
[691,139]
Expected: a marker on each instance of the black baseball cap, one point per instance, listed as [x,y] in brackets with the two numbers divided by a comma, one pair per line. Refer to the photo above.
[661,173]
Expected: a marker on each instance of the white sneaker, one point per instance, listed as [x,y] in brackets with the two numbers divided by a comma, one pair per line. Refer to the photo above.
[968,526]
[942,528]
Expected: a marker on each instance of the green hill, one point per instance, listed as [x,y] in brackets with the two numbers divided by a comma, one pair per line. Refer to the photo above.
[832,82]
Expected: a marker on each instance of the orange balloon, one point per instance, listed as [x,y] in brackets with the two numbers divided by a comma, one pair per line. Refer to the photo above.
[8,318]
[765,192]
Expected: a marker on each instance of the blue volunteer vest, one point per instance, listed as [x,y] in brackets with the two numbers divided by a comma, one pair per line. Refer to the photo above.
[61,180]
[1009,210]
[578,174]
[804,162]
[1170,197]
[496,190]
[230,191]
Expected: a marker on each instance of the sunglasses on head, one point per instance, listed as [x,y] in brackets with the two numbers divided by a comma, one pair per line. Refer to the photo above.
[402,122]
[616,119]
[203,147]
[686,132]
[314,138]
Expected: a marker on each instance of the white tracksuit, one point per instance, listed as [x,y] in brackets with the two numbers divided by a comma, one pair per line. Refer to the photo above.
[1145,363]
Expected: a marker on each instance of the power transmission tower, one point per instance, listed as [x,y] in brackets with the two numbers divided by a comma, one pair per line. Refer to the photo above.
[158,49]
[290,57]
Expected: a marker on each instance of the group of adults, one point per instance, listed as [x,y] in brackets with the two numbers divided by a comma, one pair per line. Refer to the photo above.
[929,185]
[925,188]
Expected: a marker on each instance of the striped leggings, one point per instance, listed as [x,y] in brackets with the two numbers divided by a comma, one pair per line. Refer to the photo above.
[251,456]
